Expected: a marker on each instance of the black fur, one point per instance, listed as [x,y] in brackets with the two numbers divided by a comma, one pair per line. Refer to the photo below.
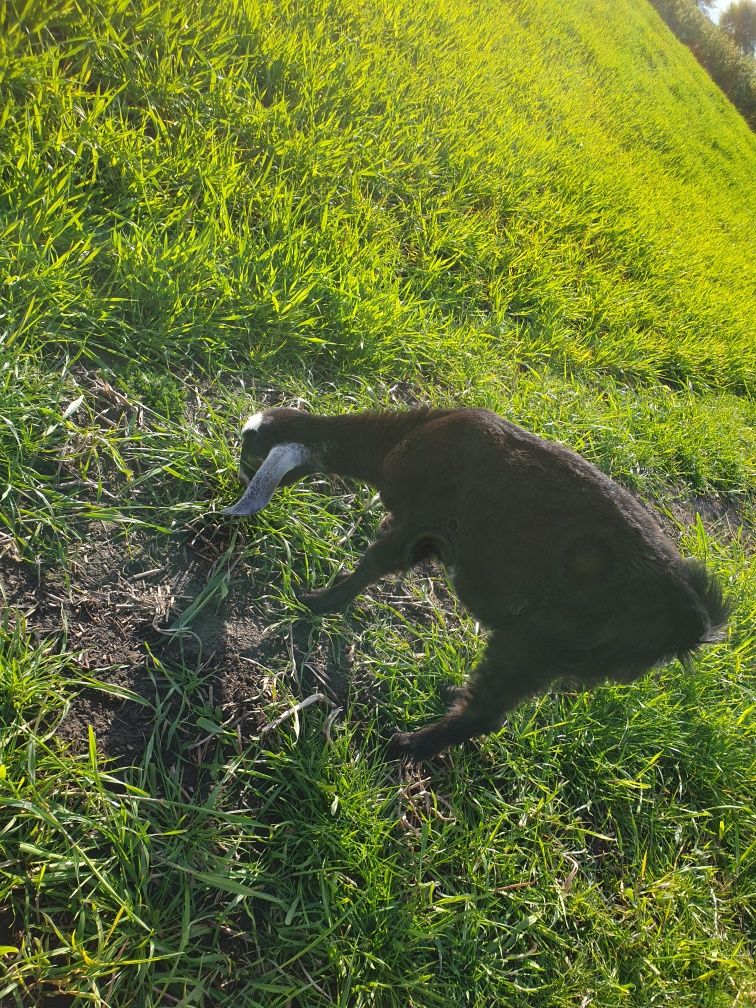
[572,576]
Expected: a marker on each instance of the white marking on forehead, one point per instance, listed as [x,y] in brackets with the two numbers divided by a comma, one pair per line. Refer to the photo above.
[253,423]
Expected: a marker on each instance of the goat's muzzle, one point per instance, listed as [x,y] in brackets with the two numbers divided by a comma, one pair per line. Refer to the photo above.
[280,460]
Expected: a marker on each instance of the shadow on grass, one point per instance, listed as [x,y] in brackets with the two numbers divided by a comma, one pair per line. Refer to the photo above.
[175,645]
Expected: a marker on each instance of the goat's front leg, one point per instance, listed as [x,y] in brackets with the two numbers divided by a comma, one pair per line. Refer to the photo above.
[385,556]
[497,686]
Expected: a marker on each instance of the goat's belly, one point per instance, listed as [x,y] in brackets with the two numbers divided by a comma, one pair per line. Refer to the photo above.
[489,597]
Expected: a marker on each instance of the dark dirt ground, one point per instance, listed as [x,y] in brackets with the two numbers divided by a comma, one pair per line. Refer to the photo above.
[722,516]
[118,604]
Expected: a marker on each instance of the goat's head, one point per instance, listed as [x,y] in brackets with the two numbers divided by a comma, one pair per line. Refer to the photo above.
[271,436]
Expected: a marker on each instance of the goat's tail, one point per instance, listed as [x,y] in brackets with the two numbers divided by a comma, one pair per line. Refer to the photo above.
[712,609]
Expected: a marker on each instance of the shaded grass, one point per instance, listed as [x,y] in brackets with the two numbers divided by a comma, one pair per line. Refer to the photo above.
[540,210]
[306,866]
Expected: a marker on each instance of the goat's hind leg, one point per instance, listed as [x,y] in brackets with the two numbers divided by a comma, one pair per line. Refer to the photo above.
[386,555]
[497,686]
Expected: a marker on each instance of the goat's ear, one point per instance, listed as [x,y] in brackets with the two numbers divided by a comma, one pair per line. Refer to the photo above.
[282,458]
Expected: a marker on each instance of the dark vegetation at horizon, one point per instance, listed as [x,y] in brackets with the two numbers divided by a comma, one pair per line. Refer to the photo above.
[738,21]
[717,52]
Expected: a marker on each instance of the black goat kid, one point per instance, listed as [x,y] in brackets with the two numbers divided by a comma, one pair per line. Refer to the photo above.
[571,575]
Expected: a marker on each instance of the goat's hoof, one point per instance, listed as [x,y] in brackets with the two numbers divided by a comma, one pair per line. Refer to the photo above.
[310,600]
[316,602]
[399,746]
[407,745]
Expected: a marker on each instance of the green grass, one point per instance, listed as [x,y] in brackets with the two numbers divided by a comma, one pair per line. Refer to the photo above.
[546,210]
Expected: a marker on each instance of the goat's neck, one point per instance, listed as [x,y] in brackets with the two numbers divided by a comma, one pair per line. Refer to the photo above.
[355,445]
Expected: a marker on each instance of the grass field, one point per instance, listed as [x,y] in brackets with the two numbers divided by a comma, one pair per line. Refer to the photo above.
[207,208]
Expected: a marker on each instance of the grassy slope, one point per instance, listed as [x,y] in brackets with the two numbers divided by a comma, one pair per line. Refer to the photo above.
[537,208]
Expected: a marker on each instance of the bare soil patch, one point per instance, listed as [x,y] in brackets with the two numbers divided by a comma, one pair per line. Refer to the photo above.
[722,516]
[126,609]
